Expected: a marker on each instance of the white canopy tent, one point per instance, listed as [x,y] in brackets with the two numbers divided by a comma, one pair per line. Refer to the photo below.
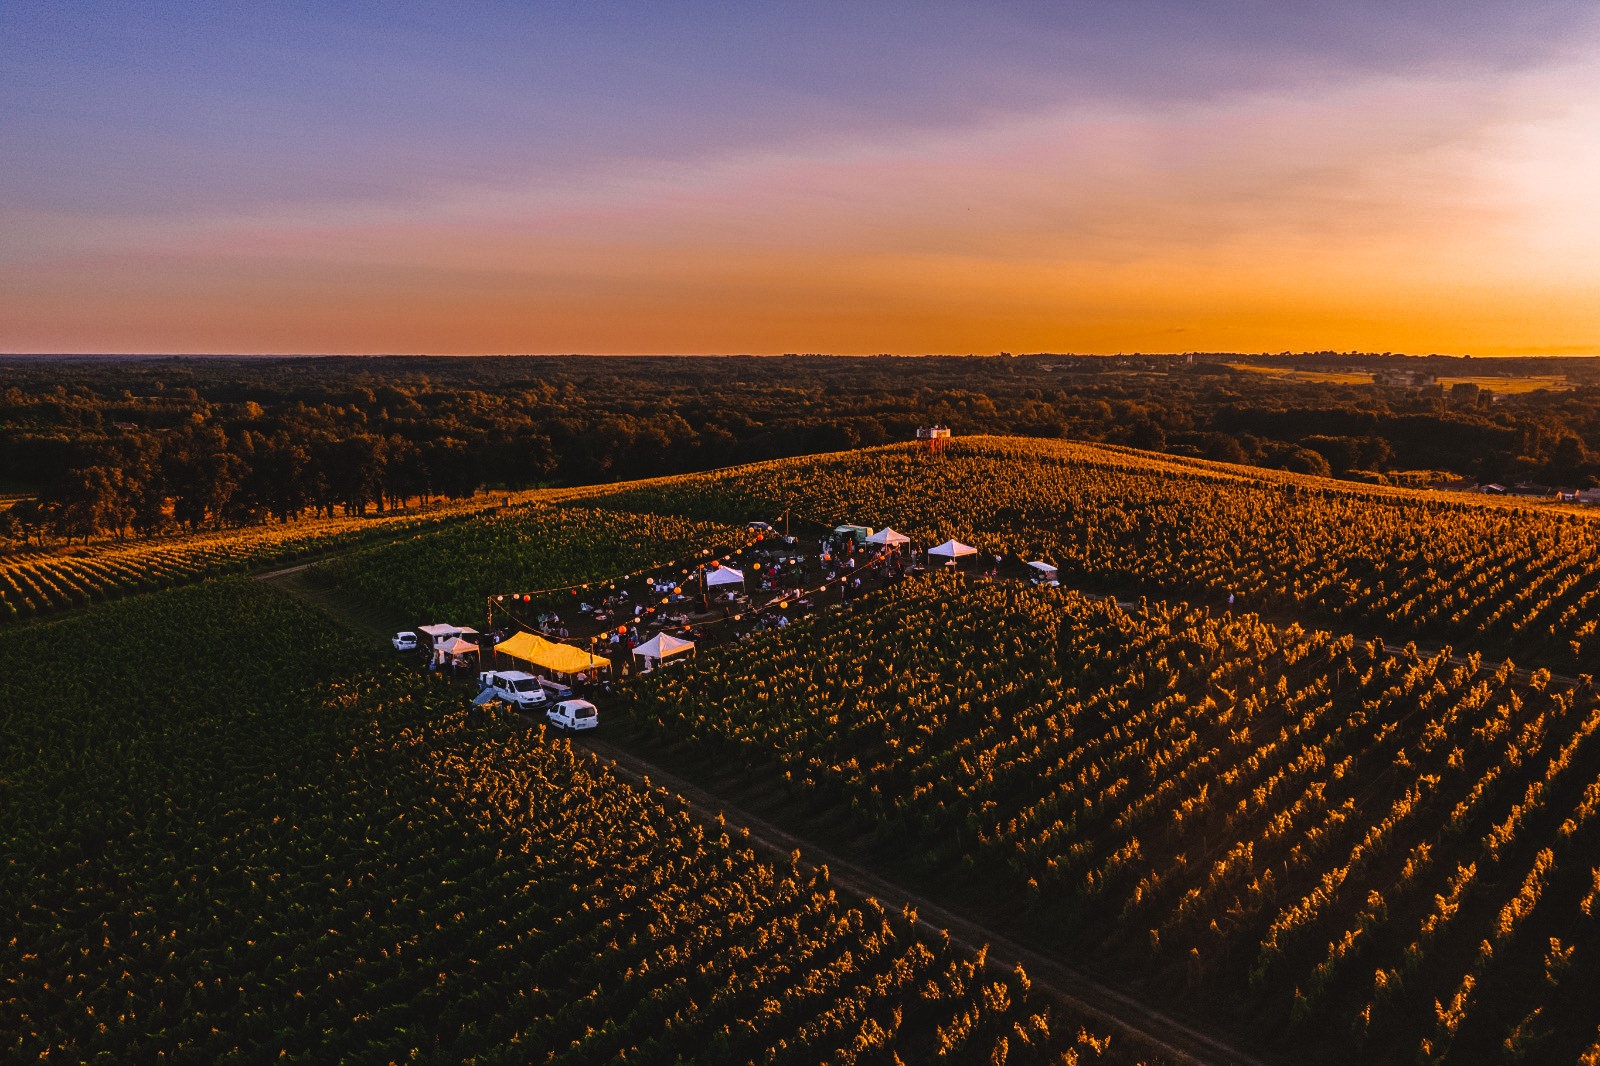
[443,632]
[458,646]
[441,636]
[724,575]
[888,536]
[1045,569]
[953,549]
[663,646]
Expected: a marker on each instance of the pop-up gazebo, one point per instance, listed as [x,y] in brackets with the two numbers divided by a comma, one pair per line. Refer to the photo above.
[953,549]
[560,658]
[662,647]
[724,575]
[888,536]
[457,647]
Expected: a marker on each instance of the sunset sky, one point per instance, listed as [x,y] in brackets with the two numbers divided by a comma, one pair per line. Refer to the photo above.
[807,177]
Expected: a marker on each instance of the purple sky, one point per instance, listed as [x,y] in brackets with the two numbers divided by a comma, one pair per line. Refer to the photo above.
[676,177]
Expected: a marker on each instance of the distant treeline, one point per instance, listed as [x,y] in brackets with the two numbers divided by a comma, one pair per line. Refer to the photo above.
[105,446]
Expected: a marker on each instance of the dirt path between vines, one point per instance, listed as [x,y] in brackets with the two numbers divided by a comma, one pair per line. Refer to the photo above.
[1140,1025]
[1144,1026]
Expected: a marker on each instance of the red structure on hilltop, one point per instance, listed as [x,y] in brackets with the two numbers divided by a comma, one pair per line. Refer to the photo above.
[933,438]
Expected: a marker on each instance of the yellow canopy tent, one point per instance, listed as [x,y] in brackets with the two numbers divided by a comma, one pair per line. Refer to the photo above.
[561,658]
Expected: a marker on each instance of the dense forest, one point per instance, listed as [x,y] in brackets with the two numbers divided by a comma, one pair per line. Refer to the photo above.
[107,446]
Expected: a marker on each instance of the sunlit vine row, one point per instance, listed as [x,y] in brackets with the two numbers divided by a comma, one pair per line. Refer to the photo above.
[1280,811]
[37,582]
[1466,570]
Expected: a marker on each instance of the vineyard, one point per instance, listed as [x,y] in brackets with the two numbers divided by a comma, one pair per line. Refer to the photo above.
[37,583]
[1477,573]
[230,838]
[450,572]
[1373,855]
[216,806]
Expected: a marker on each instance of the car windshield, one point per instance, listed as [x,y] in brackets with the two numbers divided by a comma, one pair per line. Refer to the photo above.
[526,684]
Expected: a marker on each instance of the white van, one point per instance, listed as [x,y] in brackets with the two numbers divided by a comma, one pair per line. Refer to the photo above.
[573,714]
[519,689]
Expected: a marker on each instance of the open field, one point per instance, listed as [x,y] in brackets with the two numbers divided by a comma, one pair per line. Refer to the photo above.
[1327,377]
[1509,385]
[1500,383]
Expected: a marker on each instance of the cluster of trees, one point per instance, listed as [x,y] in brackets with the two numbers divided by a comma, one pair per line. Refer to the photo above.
[119,446]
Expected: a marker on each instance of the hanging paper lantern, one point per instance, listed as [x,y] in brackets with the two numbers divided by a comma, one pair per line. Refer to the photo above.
[622,629]
[678,591]
[526,598]
[500,598]
[755,566]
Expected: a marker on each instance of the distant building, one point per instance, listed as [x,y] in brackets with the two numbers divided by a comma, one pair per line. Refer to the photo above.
[933,437]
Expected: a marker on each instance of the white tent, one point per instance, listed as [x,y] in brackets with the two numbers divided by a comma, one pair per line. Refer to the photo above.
[724,575]
[888,536]
[457,646]
[663,646]
[1045,569]
[954,549]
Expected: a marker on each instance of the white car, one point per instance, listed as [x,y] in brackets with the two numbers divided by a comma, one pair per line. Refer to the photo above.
[573,714]
[519,689]
[406,641]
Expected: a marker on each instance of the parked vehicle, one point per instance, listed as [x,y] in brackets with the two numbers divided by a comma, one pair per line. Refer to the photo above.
[405,641]
[858,534]
[521,690]
[574,714]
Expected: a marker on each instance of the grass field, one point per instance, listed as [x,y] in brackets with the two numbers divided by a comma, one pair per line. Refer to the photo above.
[1327,377]
[1498,383]
[1510,385]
